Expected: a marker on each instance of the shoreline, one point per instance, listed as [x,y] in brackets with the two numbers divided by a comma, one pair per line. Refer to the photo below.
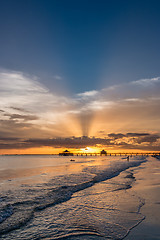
[147,186]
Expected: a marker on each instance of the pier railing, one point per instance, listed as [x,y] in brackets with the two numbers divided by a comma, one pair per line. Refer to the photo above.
[115,154]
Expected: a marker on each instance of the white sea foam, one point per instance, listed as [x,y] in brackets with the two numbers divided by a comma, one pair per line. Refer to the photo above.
[22,205]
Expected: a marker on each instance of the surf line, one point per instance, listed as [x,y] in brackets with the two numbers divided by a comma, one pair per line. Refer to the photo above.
[23,212]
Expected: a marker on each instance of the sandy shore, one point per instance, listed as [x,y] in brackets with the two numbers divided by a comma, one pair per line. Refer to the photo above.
[147,186]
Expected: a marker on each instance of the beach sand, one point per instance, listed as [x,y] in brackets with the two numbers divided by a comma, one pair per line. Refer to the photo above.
[147,186]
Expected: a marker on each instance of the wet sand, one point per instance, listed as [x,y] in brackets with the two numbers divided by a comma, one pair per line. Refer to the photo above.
[147,186]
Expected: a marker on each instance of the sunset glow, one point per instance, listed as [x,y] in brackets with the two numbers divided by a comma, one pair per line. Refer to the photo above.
[47,122]
[79,119]
[82,87]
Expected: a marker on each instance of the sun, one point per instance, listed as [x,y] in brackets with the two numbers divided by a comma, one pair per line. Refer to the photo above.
[89,150]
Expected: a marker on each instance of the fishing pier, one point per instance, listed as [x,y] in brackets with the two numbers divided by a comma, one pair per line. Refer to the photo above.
[105,153]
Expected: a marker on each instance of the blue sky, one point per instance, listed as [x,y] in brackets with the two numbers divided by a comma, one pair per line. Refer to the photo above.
[81,45]
[79,68]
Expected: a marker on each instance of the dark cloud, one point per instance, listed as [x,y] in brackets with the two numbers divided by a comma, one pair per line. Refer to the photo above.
[139,147]
[2,111]
[148,139]
[19,109]
[8,139]
[101,132]
[74,142]
[120,135]
[148,142]
[137,134]
[13,146]
[13,128]
[116,135]
[13,125]
[23,117]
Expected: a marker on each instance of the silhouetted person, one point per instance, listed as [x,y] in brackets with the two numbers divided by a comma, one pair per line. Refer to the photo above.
[128,158]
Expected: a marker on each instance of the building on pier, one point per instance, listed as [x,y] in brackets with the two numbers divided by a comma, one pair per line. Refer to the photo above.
[66,153]
[103,152]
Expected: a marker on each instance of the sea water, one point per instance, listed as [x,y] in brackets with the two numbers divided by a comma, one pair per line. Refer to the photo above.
[51,197]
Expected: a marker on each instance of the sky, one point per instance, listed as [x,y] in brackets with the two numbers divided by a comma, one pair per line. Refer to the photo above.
[77,74]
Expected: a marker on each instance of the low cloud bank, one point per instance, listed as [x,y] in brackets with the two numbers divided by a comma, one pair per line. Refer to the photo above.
[144,141]
[32,116]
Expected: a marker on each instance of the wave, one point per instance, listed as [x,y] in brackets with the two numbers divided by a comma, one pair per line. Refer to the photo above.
[17,214]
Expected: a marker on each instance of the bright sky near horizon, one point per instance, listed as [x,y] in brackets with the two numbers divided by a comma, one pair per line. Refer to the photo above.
[79,68]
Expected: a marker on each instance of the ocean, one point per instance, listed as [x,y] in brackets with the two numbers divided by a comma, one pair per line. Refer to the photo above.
[51,197]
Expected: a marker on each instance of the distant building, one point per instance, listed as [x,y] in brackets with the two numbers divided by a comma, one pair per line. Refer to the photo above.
[103,152]
[66,153]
